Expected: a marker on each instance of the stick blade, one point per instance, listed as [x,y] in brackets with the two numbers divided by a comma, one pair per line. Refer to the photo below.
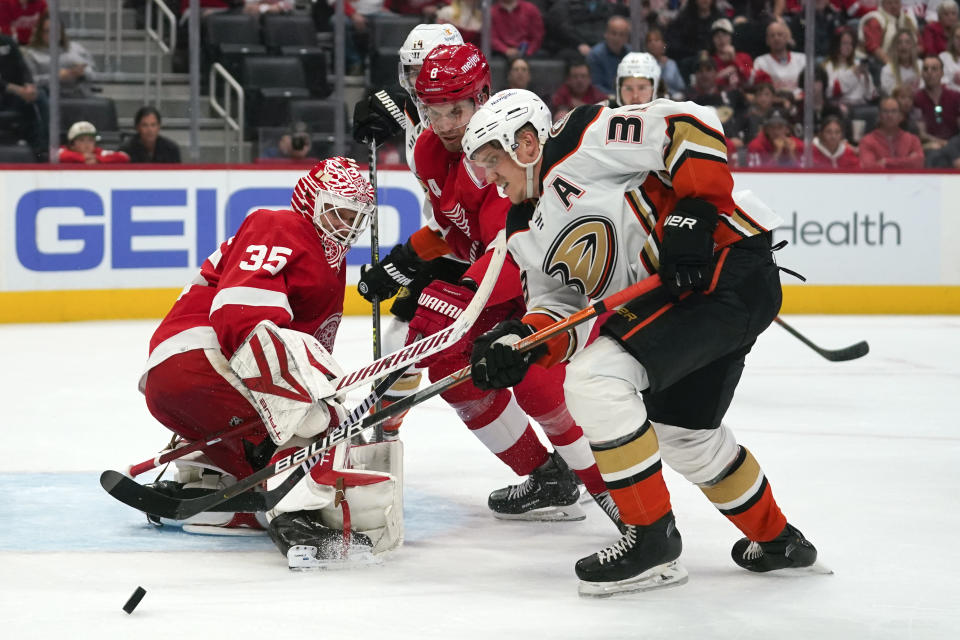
[852,352]
[133,494]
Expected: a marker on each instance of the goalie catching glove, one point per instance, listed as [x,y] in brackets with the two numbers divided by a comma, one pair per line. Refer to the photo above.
[496,363]
[378,117]
[686,251]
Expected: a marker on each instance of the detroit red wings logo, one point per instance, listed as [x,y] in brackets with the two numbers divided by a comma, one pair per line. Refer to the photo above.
[458,217]
[326,333]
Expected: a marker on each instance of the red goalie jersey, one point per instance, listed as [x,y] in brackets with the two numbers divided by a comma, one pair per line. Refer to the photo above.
[277,267]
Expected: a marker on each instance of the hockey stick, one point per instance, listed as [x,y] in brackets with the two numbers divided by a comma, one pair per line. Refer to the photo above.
[146,499]
[227,434]
[375,259]
[438,341]
[852,352]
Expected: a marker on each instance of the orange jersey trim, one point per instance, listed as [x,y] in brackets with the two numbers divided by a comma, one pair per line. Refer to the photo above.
[557,347]
[428,244]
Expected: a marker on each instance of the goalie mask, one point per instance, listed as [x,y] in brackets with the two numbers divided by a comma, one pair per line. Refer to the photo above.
[423,39]
[336,196]
[498,122]
[637,65]
[453,82]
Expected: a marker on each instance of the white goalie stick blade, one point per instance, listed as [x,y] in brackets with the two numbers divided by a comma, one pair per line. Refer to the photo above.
[438,341]
[304,557]
[671,574]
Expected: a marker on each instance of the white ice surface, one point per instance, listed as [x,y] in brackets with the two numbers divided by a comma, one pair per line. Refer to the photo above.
[864,457]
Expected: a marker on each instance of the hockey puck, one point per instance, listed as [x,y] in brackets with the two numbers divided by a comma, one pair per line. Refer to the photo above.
[135,599]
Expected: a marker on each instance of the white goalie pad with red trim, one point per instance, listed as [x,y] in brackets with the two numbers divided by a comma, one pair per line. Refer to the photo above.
[288,374]
[372,482]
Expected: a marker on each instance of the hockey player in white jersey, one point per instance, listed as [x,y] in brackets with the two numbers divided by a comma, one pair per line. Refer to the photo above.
[603,199]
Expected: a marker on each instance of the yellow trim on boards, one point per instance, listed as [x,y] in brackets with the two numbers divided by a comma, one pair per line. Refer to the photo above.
[116,304]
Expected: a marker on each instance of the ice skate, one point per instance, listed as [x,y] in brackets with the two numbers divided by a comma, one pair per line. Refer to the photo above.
[308,544]
[644,559]
[549,493]
[789,550]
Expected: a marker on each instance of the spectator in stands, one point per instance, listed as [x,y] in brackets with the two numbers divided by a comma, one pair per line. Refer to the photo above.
[466,16]
[576,25]
[764,102]
[730,103]
[18,18]
[933,40]
[823,106]
[148,145]
[689,33]
[831,150]
[294,145]
[427,9]
[261,7]
[939,107]
[888,146]
[576,89]
[733,68]
[516,29]
[669,71]
[848,79]
[827,19]
[904,95]
[82,147]
[605,56]
[878,29]
[77,68]
[19,94]
[780,66]
[774,146]
[903,66]
[518,74]
[951,60]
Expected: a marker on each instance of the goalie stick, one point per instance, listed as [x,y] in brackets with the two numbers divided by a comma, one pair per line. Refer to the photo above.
[844,354]
[233,498]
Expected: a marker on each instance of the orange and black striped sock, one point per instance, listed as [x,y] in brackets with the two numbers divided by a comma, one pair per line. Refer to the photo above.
[631,468]
[745,498]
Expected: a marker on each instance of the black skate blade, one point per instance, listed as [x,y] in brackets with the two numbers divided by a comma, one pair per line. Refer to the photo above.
[664,576]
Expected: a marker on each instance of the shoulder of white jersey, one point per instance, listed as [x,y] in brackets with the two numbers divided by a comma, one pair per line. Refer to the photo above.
[410,111]
[566,136]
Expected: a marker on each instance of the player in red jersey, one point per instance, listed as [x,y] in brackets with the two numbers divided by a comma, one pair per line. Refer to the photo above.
[281,278]
[453,82]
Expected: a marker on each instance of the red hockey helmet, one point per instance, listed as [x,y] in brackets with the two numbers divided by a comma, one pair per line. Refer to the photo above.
[454,72]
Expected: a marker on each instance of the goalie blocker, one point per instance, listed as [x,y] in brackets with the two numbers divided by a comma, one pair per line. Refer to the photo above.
[351,501]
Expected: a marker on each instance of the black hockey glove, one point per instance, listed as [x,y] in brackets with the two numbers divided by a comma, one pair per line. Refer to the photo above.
[384,279]
[495,364]
[686,252]
[378,117]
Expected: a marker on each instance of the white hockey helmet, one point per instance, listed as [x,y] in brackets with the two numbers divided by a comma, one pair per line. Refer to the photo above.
[421,40]
[500,119]
[638,65]
[337,198]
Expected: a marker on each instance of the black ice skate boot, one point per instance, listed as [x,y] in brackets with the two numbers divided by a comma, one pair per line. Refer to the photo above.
[310,545]
[549,493]
[645,558]
[605,501]
[789,550]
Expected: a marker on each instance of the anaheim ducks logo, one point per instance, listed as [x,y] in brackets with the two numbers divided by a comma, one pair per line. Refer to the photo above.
[583,255]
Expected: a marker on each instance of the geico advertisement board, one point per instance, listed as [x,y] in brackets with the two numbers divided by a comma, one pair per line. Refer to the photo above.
[870,229]
[67,230]
[119,229]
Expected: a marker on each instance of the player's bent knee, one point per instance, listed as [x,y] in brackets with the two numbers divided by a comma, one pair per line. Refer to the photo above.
[702,456]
